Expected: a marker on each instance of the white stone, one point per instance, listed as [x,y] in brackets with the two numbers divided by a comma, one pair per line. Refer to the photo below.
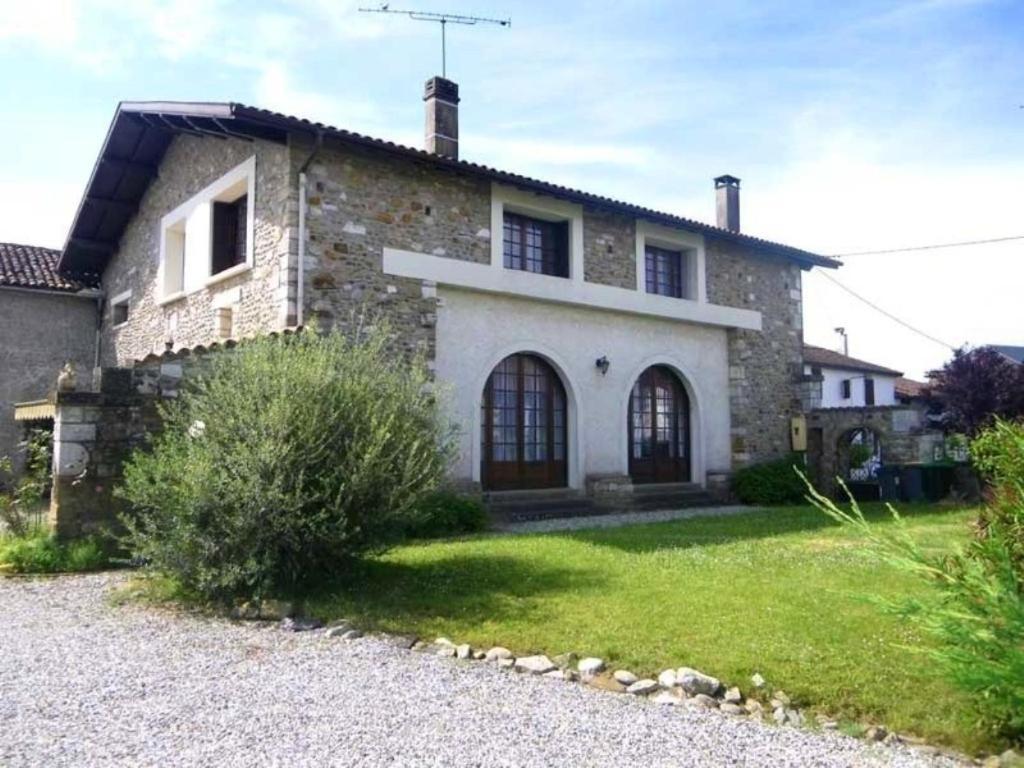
[497,653]
[733,695]
[643,687]
[590,666]
[506,663]
[484,234]
[392,289]
[667,698]
[625,677]
[757,681]
[667,679]
[338,631]
[555,674]
[463,651]
[354,229]
[732,709]
[535,665]
[694,682]
[352,634]
[702,700]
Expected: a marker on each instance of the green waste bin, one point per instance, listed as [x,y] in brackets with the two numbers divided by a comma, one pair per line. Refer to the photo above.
[912,482]
[889,483]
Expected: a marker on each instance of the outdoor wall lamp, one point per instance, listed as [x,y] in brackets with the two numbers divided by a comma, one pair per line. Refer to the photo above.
[603,364]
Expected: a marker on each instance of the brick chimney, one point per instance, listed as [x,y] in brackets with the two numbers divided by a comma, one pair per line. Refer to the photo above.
[442,127]
[727,193]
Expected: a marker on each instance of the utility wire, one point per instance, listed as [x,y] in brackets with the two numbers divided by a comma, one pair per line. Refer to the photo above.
[888,314]
[930,247]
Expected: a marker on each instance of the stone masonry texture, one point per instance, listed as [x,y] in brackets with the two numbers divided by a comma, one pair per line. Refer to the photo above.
[190,165]
[39,332]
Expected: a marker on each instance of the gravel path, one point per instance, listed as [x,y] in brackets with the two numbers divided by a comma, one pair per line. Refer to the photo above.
[86,684]
[618,520]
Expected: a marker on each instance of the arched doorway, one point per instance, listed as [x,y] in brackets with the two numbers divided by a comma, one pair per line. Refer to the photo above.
[523,426]
[659,428]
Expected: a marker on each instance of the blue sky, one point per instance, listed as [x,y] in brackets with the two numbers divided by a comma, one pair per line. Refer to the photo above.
[854,126]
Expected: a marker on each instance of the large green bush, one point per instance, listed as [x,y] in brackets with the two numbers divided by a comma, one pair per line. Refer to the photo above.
[975,619]
[772,482]
[285,460]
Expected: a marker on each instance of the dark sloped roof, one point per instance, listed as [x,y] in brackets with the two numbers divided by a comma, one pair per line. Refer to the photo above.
[30,266]
[141,131]
[829,359]
[1014,353]
[909,388]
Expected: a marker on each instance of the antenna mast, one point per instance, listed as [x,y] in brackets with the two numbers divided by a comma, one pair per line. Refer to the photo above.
[443,19]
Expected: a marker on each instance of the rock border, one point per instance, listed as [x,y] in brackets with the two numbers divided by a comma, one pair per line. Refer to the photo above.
[680,686]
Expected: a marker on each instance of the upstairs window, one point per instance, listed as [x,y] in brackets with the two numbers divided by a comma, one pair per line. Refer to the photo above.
[869,391]
[664,272]
[535,245]
[844,389]
[229,234]
[119,306]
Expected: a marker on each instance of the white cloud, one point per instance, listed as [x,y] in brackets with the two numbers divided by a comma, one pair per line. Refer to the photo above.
[26,221]
[51,24]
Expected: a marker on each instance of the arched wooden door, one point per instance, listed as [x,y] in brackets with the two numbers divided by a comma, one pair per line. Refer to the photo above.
[523,426]
[659,428]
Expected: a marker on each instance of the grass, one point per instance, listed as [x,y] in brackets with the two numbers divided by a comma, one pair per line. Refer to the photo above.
[40,552]
[779,592]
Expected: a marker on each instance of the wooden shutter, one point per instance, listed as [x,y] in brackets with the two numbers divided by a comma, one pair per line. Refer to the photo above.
[869,391]
[844,389]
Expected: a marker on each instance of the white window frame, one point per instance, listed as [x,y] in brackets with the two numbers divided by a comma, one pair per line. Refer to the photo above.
[125,297]
[245,171]
[692,246]
[538,207]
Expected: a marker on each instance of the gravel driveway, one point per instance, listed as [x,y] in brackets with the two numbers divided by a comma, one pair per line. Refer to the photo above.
[86,684]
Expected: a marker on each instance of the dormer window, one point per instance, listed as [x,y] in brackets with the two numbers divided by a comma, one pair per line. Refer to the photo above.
[665,272]
[535,245]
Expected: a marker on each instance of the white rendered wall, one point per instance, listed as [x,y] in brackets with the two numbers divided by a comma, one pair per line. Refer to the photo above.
[831,388]
[475,331]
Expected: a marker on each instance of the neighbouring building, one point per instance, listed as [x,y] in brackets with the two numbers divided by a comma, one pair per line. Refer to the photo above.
[586,344]
[47,319]
[846,382]
[1013,354]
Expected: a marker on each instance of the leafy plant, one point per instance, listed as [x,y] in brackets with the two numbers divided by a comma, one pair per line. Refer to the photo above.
[285,460]
[975,387]
[25,494]
[975,616]
[446,514]
[772,482]
[38,551]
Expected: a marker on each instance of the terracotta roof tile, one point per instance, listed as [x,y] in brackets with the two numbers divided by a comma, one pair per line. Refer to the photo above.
[31,266]
[829,359]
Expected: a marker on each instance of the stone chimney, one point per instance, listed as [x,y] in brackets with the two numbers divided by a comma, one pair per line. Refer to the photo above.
[442,128]
[727,192]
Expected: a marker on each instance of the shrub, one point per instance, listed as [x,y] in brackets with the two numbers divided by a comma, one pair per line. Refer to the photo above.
[287,458]
[446,514]
[772,482]
[38,551]
[975,618]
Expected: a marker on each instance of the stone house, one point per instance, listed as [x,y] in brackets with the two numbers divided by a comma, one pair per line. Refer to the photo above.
[47,319]
[584,344]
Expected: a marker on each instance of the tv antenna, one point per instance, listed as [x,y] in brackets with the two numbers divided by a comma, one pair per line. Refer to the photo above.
[444,19]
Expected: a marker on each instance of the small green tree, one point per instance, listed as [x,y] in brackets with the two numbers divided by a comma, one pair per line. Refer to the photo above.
[285,460]
[975,618]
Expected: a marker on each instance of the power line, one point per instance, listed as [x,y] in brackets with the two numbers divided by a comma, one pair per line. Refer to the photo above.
[930,247]
[885,312]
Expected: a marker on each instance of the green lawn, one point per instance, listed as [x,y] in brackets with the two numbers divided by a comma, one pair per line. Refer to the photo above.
[779,592]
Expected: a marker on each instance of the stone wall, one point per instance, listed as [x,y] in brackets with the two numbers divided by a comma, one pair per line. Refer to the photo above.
[764,366]
[902,431]
[94,432]
[257,297]
[609,249]
[358,204]
[39,332]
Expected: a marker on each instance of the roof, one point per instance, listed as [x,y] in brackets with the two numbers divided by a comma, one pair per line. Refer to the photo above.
[1016,354]
[909,388]
[31,266]
[826,358]
[140,133]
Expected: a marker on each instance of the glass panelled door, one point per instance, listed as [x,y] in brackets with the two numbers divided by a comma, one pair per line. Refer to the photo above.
[659,428]
[523,426]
